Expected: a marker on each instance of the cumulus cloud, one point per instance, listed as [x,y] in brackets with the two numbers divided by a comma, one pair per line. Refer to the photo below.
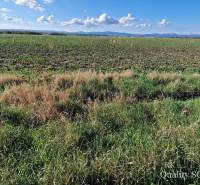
[106,19]
[33,4]
[127,20]
[90,21]
[74,21]
[46,19]
[164,23]
[103,19]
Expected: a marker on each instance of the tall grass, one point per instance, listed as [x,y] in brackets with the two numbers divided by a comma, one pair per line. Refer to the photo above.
[95,128]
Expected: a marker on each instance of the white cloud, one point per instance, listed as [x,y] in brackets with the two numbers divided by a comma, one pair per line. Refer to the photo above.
[103,19]
[163,23]
[90,21]
[11,19]
[127,20]
[74,21]
[46,19]
[106,19]
[143,25]
[4,10]
[33,4]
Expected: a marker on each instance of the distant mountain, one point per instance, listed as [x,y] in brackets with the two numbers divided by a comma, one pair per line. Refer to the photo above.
[107,33]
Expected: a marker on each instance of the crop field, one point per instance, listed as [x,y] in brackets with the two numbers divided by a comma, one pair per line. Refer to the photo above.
[22,52]
[99,111]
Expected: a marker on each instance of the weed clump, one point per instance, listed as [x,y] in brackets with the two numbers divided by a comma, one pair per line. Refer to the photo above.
[73,109]
[112,116]
[14,115]
[94,90]
[10,79]
[14,140]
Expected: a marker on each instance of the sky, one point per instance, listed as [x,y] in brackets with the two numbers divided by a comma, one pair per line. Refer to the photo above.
[130,16]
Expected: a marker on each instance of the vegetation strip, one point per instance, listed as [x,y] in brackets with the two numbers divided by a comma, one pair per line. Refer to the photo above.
[76,128]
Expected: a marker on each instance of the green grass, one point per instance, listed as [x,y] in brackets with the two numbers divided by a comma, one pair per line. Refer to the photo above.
[79,128]
[121,147]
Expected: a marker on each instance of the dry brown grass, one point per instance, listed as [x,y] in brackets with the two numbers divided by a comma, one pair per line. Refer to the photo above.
[44,112]
[65,81]
[18,95]
[6,79]
[116,75]
[61,80]
[73,79]
[40,100]
[164,76]
[26,95]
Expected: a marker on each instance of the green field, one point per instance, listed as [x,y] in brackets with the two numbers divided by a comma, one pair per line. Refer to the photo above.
[63,53]
[99,110]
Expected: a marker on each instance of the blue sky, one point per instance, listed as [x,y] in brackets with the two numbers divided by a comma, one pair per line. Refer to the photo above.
[133,16]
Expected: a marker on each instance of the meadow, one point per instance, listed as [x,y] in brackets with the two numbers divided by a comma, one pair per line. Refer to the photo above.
[99,110]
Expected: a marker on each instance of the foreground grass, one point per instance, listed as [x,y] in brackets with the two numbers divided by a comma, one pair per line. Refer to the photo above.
[96,128]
